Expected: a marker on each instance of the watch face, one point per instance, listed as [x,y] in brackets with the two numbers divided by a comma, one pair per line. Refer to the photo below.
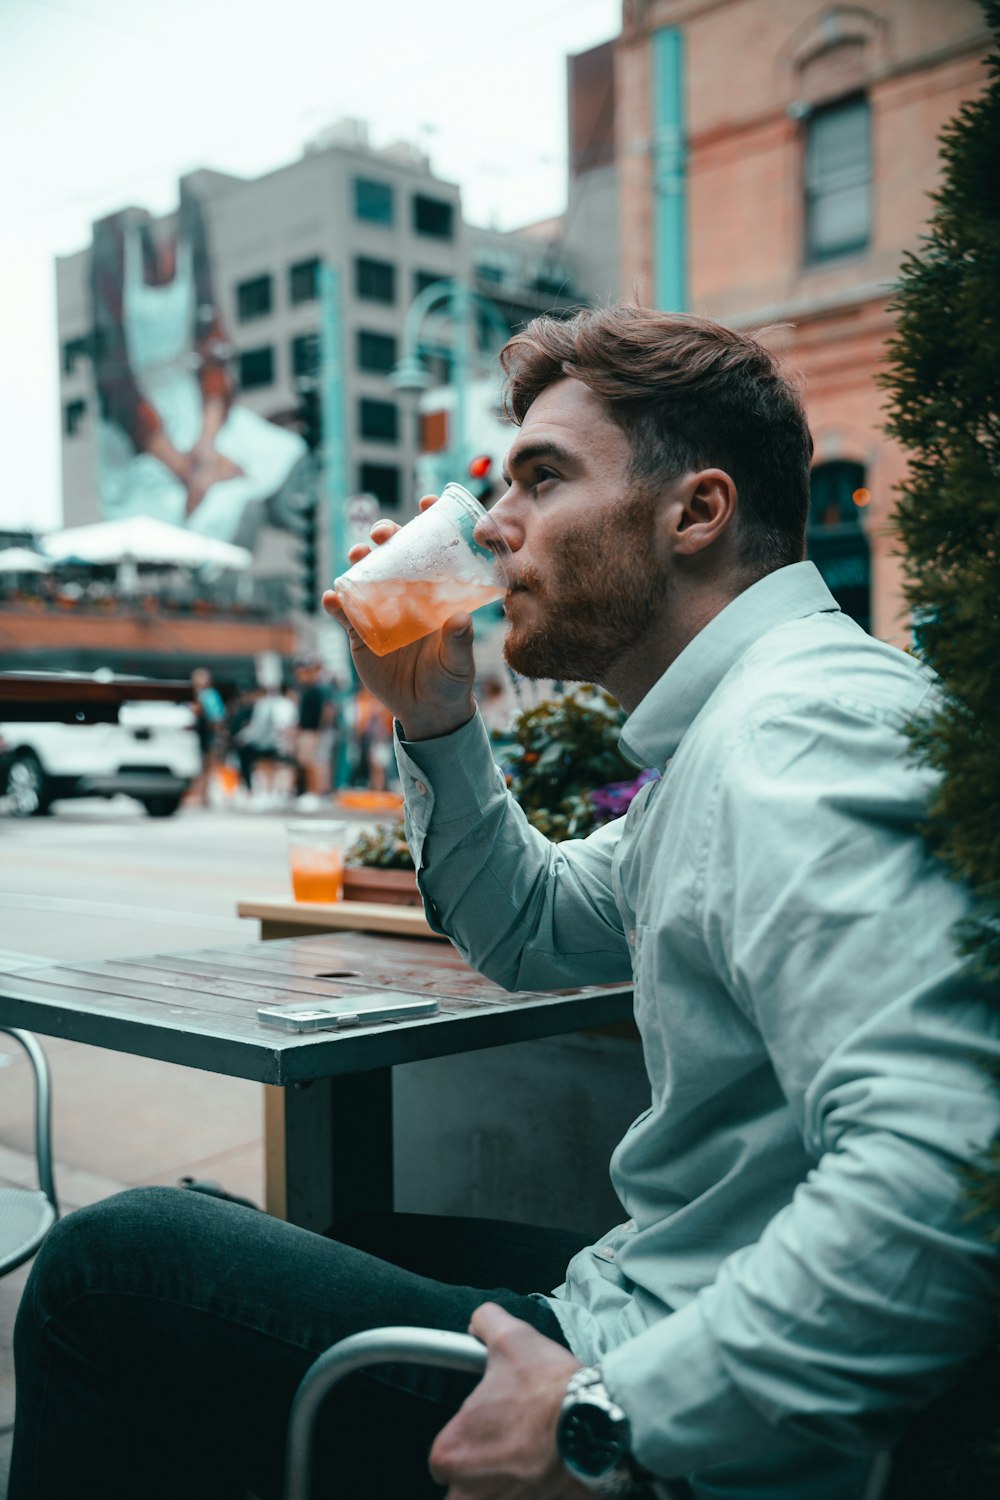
[591,1441]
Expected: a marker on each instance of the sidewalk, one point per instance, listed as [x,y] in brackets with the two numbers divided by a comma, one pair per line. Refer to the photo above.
[93,883]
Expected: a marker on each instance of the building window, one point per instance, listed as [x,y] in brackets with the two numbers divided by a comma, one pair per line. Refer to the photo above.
[492,274]
[374,280]
[253,298]
[382,481]
[73,415]
[74,349]
[305,355]
[433,216]
[372,201]
[378,420]
[376,352]
[835,539]
[552,283]
[838,180]
[423,279]
[303,282]
[256,368]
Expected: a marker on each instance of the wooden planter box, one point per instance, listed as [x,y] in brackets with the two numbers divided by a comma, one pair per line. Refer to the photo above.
[389,887]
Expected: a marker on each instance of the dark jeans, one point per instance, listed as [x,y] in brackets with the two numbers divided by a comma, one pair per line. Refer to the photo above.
[162,1334]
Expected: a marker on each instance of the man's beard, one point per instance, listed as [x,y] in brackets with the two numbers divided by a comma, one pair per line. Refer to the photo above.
[599,597]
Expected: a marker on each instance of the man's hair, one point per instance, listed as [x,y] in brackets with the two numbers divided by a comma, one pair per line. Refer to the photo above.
[688,394]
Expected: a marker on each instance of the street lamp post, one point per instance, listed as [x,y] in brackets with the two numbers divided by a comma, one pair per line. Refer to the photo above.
[453,298]
[332,413]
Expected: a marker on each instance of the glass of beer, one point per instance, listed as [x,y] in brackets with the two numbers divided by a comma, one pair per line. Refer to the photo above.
[450,557]
[316,859]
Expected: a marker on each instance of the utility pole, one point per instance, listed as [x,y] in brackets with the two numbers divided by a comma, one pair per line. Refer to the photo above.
[331,399]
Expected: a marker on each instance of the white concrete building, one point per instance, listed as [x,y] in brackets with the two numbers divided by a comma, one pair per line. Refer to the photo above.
[389,227]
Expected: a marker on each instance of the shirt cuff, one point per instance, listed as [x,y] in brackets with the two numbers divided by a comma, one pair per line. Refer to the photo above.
[460,763]
[685,1411]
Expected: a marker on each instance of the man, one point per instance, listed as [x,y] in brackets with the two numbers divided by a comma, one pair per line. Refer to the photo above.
[209,719]
[798,1274]
[314,713]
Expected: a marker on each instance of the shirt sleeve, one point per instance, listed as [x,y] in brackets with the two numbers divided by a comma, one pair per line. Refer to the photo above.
[527,913]
[832,927]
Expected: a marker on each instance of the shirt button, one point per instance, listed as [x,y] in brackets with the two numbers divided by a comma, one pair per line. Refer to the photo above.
[421,787]
[631,937]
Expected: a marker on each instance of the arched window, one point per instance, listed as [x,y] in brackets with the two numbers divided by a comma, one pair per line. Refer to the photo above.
[835,539]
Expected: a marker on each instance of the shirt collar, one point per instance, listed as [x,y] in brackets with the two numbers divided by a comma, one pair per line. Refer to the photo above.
[653,731]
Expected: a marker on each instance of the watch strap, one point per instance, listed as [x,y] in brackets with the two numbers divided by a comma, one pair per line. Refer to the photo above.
[626,1481]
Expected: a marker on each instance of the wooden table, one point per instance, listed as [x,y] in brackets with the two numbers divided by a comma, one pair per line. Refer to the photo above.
[283,917]
[330,1132]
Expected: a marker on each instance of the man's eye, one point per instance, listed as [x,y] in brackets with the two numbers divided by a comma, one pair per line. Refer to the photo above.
[543,474]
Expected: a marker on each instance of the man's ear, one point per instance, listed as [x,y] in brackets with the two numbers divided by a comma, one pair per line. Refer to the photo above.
[702,511]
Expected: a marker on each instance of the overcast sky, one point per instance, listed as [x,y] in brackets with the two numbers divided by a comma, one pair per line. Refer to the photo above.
[106,102]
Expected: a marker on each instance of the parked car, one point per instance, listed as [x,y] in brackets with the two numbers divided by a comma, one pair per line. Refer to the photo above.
[151,754]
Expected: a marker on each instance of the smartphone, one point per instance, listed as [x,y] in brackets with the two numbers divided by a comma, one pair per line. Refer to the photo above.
[346,1010]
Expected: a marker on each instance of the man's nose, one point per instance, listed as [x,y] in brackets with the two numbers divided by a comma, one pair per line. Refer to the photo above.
[508,523]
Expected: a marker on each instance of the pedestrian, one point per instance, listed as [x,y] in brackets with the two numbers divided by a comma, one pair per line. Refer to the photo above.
[373,739]
[269,735]
[314,715]
[209,726]
[494,705]
[238,717]
[798,1272]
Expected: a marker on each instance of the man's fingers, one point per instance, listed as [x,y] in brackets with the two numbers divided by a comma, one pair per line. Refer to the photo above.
[335,610]
[490,1321]
[383,530]
[456,644]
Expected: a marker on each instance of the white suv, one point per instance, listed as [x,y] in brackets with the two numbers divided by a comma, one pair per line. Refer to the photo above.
[152,754]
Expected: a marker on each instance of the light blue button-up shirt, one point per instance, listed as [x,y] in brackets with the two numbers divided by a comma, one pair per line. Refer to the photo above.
[798,1272]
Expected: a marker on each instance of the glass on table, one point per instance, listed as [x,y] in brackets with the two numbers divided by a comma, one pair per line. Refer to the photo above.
[316,859]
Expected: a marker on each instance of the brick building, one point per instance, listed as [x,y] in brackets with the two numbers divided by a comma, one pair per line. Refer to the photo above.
[775,159]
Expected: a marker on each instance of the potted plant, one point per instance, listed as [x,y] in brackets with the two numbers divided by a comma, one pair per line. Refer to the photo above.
[378,867]
[562,764]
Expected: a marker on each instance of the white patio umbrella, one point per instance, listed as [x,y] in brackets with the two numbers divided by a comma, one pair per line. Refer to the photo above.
[141,539]
[23,560]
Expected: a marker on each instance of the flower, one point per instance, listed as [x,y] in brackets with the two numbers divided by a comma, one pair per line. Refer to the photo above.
[613,800]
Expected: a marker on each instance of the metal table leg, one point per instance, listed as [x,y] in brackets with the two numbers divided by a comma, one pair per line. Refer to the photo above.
[328,1148]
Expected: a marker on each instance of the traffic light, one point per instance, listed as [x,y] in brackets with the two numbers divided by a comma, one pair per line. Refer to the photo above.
[306,552]
[480,483]
[309,416]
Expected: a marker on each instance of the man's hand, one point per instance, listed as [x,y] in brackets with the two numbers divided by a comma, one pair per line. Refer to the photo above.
[500,1445]
[427,686]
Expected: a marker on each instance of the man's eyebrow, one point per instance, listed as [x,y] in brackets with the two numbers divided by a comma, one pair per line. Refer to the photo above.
[528,452]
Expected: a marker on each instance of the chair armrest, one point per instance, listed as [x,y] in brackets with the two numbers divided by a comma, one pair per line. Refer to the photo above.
[377,1346]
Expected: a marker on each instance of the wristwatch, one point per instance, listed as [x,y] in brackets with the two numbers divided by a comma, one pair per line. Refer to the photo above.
[593,1438]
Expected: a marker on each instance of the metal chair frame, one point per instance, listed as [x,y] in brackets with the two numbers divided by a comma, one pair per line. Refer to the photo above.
[378,1346]
[43,1200]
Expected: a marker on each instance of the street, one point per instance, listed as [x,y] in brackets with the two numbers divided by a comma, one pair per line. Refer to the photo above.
[101,879]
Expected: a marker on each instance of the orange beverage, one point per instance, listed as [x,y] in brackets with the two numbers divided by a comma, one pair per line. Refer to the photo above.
[391,612]
[317,874]
[451,557]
